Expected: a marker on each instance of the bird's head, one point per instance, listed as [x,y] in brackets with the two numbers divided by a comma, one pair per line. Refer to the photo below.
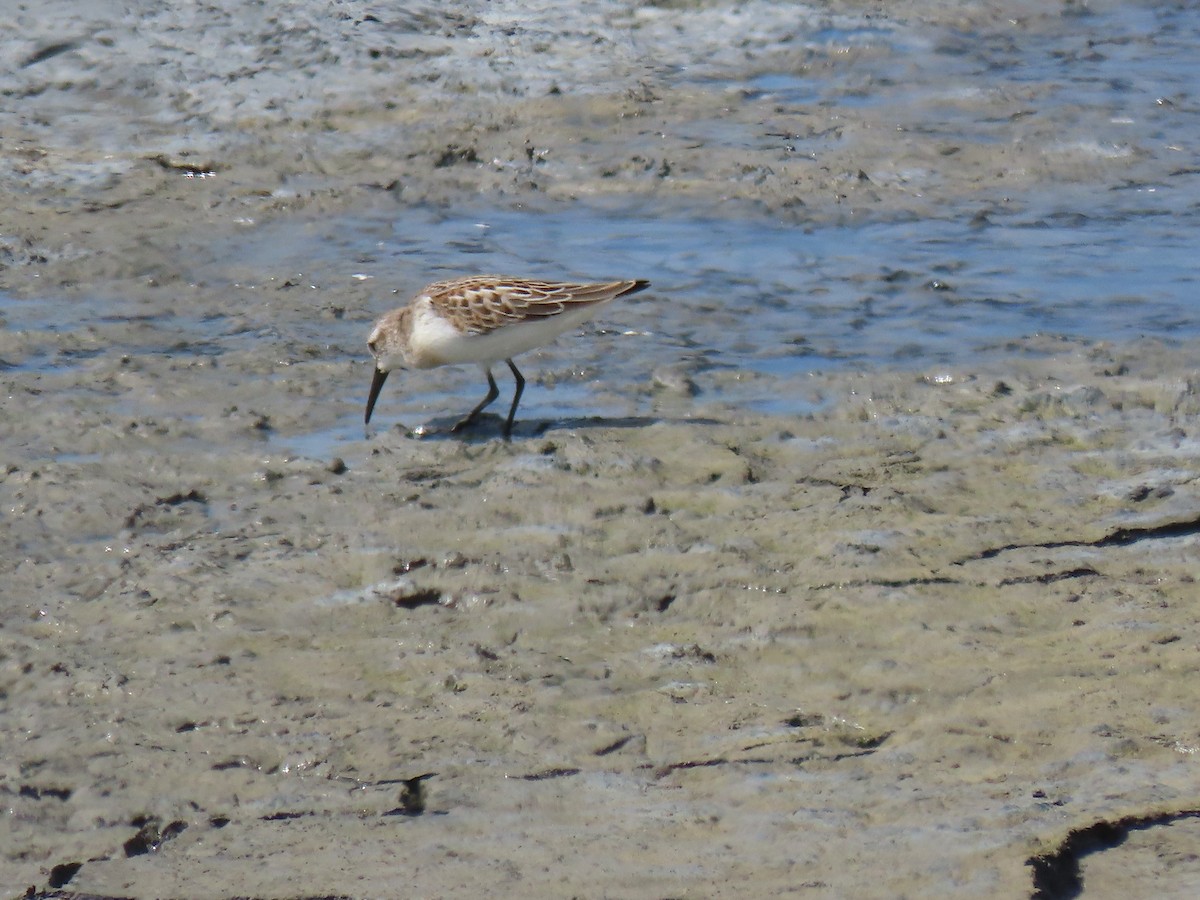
[388,343]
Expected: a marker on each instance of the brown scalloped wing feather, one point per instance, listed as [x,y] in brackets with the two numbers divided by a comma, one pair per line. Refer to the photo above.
[484,303]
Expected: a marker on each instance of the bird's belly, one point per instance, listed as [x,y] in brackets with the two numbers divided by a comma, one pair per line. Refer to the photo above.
[446,346]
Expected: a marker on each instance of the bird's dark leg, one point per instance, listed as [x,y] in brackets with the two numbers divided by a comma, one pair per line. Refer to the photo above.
[516,398]
[492,394]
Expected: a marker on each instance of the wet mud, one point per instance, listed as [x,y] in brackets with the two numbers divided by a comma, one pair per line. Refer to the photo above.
[915,634]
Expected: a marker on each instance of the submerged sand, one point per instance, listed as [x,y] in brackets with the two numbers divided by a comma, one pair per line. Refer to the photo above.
[934,638]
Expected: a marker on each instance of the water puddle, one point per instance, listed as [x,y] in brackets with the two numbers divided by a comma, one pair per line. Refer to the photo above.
[780,299]
[769,299]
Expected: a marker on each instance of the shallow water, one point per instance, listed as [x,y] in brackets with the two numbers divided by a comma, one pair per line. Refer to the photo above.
[778,299]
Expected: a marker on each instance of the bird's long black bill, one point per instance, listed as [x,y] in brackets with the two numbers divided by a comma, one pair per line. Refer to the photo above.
[376,385]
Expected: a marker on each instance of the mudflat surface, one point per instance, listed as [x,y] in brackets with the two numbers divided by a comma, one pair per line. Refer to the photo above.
[709,625]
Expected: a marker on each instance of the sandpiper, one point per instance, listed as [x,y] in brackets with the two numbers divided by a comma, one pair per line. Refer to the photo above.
[483,319]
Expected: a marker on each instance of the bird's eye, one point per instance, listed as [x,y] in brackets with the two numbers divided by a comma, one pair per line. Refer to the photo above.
[371,345]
